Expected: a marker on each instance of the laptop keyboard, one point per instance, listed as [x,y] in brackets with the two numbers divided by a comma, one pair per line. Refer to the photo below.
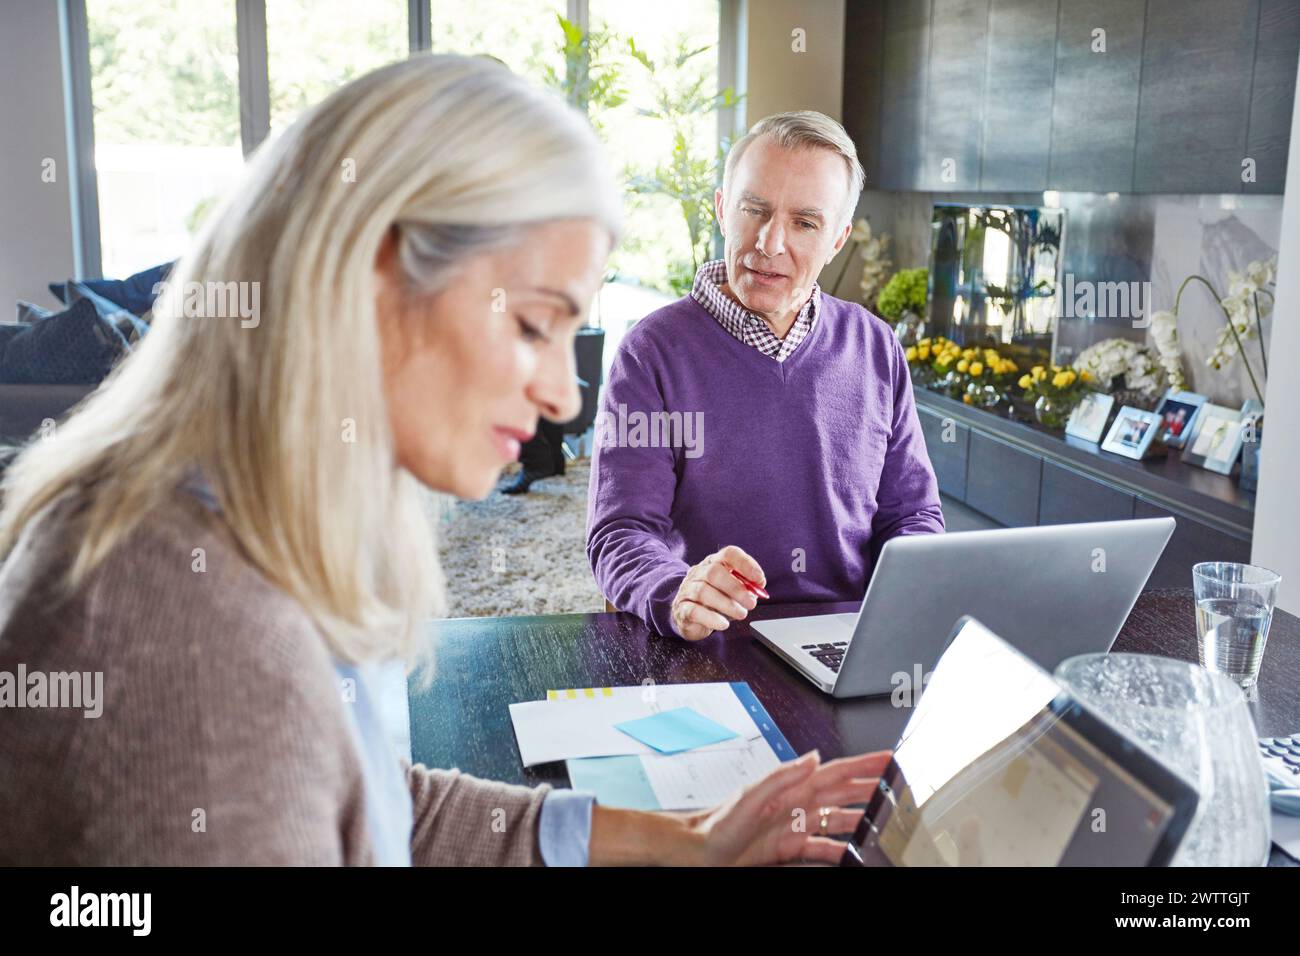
[832,655]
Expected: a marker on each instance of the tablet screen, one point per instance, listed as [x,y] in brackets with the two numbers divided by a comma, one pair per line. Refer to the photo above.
[998,766]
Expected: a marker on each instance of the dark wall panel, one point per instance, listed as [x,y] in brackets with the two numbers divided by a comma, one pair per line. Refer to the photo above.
[1018,98]
[1272,93]
[954,117]
[1197,65]
[1095,106]
[864,47]
[902,104]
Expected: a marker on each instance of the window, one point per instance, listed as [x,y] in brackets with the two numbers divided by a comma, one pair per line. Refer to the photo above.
[664,135]
[316,46]
[165,83]
[525,36]
[165,89]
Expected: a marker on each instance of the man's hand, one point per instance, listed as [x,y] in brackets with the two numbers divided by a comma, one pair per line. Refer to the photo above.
[710,597]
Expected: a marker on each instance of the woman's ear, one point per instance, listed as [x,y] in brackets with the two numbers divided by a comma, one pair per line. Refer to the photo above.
[389,299]
[386,264]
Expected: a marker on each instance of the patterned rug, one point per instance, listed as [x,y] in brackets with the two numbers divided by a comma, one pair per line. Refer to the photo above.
[520,554]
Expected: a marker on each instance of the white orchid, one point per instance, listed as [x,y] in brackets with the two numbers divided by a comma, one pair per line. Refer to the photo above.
[1110,358]
[876,264]
[1243,307]
[1261,274]
[1164,333]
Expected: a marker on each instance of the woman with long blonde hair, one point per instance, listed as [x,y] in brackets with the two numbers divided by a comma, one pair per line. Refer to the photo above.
[229,529]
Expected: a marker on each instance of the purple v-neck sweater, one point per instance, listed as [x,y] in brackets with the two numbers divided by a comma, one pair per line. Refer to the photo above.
[809,465]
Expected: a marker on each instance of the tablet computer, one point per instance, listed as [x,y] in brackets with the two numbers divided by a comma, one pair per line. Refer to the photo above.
[1000,766]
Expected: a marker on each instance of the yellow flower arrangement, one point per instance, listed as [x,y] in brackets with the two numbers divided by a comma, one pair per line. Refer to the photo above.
[943,364]
[1059,387]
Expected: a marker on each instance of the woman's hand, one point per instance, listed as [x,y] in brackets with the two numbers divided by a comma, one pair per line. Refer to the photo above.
[778,819]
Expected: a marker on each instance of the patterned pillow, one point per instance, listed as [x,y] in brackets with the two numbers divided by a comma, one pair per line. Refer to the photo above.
[135,294]
[131,326]
[30,312]
[76,347]
[9,330]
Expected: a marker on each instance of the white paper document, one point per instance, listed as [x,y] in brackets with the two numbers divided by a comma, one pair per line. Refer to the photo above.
[698,779]
[580,723]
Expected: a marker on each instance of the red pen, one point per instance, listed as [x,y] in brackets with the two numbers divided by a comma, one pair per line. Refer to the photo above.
[751,586]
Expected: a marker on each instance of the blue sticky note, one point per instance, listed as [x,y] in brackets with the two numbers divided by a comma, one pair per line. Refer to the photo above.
[616,781]
[676,730]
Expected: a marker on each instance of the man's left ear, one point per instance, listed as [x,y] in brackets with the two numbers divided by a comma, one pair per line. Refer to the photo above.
[839,243]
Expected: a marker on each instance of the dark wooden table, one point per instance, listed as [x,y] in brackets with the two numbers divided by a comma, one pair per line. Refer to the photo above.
[482,665]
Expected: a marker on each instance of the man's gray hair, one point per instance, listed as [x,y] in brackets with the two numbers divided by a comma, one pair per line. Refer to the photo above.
[805,129]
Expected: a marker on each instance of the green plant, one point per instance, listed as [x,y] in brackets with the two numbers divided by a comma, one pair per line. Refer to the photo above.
[906,290]
[592,80]
[680,98]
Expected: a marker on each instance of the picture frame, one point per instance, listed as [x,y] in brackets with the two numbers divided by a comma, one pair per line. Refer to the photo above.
[1216,441]
[1132,432]
[1251,413]
[1178,411]
[1088,419]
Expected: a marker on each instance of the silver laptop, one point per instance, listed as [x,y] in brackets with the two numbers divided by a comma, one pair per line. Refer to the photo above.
[1052,591]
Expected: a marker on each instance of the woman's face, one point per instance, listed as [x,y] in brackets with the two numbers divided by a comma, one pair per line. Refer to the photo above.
[469,371]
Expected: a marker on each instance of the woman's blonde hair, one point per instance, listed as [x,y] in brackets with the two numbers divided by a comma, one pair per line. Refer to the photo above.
[284,412]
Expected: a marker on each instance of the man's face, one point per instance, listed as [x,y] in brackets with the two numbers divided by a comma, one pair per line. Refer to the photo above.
[783,218]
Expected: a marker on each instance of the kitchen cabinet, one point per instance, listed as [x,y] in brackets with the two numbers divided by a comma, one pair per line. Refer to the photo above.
[1197,63]
[1272,91]
[902,103]
[1095,101]
[1020,95]
[1002,480]
[954,110]
[1017,132]
[947,442]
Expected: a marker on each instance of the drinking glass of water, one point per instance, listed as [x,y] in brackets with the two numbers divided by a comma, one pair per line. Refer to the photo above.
[1234,607]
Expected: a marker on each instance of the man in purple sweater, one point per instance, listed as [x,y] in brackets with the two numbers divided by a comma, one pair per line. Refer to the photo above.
[758,424]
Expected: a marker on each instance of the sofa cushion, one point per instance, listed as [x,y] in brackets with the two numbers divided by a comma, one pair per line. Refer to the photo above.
[75,347]
[135,293]
[130,325]
[8,330]
[30,312]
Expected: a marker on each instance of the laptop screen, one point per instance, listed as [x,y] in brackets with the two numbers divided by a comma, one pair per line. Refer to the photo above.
[998,766]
